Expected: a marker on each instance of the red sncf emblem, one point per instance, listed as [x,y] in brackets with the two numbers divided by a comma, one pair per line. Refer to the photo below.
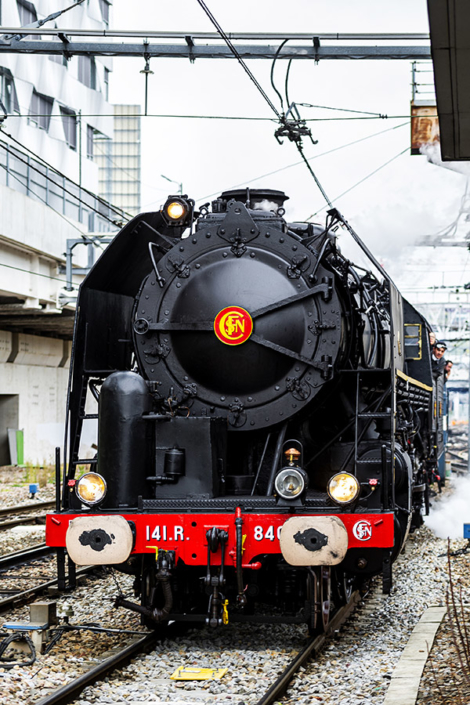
[233,325]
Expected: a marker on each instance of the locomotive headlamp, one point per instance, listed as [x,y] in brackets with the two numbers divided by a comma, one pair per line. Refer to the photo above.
[343,488]
[290,482]
[175,210]
[91,488]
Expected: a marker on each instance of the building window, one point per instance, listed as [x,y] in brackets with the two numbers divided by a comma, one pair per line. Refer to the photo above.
[104,5]
[69,123]
[40,111]
[90,134]
[87,71]
[106,83]
[8,92]
[27,12]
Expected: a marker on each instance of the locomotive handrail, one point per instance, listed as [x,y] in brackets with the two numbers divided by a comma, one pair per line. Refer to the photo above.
[319,289]
[209,325]
[181,326]
[285,351]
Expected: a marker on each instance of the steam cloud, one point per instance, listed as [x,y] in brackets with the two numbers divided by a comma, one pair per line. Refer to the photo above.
[432,153]
[448,516]
[266,205]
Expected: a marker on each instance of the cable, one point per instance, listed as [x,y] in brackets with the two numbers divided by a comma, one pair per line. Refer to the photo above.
[343,110]
[59,173]
[361,181]
[286,82]
[239,58]
[272,71]
[373,116]
[9,640]
[290,166]
[293,135]
[82,234]
[102,153]
[155,115]
[29,271]
[6,146]
[40,23]
[307,164]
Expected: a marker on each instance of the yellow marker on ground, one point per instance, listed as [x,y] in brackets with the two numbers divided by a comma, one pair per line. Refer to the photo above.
[198,674]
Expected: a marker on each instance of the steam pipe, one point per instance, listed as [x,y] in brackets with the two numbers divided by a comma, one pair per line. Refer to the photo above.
[157,614]
[241,597]
[260,463]
[277,455]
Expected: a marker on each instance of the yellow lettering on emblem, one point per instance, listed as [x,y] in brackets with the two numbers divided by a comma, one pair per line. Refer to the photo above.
[230,324]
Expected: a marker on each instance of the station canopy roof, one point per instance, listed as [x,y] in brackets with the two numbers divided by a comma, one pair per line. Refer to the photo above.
[449,22]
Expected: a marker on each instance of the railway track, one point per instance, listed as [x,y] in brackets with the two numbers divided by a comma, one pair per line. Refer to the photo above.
[21,597]
[13,597]
[72,690]
[25,555]
[20,514]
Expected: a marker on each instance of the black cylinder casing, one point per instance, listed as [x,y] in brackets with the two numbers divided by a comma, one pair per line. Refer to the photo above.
[124,440]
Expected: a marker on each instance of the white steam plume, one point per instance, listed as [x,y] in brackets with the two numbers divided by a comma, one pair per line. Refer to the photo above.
[266,205]
[448,515]
[432,153]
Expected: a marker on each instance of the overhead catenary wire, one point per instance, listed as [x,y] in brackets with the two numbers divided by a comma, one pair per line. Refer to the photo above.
[247,118]
[358,183]
[315,177]
[344,110]
[281,118]
[30,271]
[39,23]
[294,164]
[239,58]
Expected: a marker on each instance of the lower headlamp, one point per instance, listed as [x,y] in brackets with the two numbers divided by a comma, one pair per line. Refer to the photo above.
[91,488]
[343,488]
[290,482]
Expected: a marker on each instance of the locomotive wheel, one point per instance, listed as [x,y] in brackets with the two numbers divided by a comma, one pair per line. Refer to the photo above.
[325,595]
[344,585]
[313,593]
[319,589]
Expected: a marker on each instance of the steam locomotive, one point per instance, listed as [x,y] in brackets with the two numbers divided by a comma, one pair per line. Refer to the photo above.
[267,417]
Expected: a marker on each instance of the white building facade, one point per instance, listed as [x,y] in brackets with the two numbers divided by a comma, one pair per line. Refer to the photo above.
[55,107]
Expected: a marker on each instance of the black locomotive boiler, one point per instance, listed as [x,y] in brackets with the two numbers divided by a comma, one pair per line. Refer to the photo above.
[266,416]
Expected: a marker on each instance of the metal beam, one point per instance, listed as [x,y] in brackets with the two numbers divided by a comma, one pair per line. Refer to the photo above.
[208,51]
[234,36]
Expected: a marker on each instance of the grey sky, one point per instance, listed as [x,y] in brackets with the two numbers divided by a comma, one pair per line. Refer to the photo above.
[407,198]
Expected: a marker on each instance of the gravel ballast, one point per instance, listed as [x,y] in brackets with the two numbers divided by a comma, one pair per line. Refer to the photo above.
[353,670]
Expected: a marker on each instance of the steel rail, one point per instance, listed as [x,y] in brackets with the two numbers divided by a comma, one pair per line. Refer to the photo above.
[32,519]
[22,597]
[72,690]
[26,555]
[313,646]
[20,508]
